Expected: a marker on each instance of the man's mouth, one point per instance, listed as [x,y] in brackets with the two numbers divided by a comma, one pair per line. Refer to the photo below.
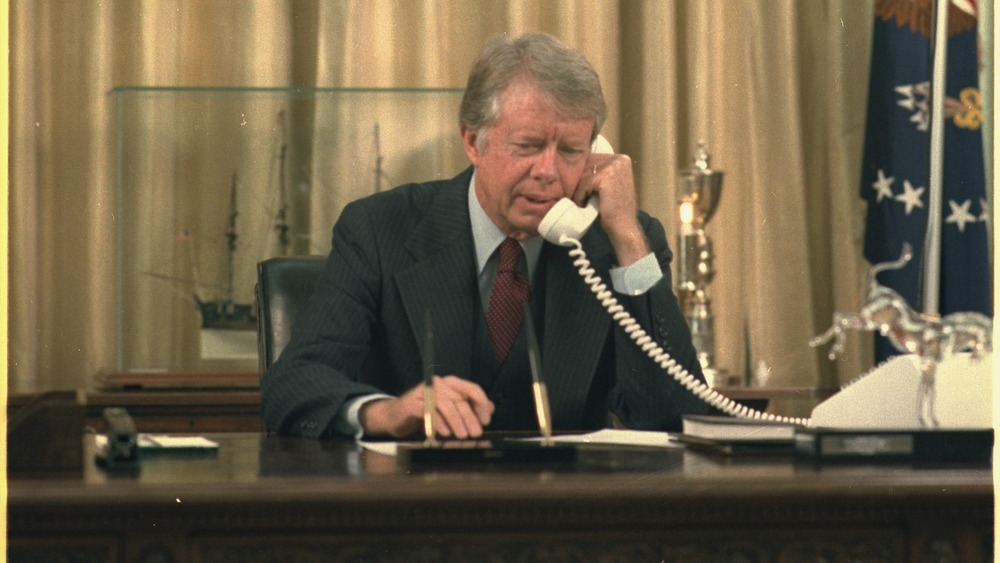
[538,203]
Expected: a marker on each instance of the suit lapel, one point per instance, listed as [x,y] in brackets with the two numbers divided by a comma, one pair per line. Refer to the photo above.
[442,278]
[572,309]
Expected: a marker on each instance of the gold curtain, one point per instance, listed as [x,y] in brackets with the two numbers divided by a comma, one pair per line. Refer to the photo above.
[776,89]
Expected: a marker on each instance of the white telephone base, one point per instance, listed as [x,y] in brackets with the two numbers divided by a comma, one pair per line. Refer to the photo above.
[887,396]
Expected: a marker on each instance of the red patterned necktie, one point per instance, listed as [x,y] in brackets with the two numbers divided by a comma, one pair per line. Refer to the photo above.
[506,309]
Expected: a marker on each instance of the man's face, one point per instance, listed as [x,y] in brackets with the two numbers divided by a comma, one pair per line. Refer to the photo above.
[532,157]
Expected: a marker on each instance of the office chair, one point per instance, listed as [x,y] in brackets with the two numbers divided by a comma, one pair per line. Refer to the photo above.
[284,286]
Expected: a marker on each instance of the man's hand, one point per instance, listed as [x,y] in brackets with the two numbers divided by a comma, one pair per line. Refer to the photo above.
[463,409]
[610,176]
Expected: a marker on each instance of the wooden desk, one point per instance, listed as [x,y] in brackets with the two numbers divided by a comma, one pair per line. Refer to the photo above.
[265,498]
[238,409]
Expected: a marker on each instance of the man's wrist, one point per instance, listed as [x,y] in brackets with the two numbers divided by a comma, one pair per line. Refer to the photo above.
[373,417]
[356,412]
[629,245]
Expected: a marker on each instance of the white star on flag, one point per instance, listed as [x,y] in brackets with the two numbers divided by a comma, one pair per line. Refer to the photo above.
[883,186]
[910,196]
[906,90]
[985,215]
[960,214]
[914,98]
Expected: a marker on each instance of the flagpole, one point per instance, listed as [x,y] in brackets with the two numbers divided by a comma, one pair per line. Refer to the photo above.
[932,240]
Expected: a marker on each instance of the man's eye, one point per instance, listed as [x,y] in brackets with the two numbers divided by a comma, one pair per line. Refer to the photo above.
[571,154]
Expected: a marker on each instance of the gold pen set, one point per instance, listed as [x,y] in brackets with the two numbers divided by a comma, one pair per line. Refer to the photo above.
[538,387]
[430,401]
[538,380]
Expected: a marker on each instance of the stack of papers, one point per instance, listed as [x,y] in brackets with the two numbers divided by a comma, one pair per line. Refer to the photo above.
[727,428]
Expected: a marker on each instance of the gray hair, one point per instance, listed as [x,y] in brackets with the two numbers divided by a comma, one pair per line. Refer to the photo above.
[561,72]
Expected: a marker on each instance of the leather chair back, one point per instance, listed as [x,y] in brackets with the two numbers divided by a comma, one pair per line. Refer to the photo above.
[284,286]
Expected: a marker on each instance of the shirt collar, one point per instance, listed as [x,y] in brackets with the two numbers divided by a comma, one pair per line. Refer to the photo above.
[486,236]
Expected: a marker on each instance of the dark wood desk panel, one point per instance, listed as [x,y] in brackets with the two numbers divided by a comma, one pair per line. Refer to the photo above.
[159,411]
[183,411]
[264,498]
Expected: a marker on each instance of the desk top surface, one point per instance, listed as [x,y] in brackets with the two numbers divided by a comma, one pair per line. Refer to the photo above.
[253,467]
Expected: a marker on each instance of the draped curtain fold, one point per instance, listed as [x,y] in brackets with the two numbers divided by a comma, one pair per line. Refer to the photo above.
[773,87]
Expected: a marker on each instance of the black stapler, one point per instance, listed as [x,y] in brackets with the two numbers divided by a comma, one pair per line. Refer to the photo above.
[122,448]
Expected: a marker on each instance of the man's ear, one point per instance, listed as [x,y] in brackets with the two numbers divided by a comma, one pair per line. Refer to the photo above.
[470,142]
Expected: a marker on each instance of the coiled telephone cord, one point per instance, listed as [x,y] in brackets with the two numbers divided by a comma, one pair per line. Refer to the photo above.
[655,352]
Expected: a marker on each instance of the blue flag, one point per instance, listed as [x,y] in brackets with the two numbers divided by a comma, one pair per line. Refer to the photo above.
[895,176]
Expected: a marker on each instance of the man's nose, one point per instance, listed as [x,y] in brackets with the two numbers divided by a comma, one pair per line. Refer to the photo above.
[544,169]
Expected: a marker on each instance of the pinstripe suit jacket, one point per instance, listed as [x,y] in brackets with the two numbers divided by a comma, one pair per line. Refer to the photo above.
[398,253]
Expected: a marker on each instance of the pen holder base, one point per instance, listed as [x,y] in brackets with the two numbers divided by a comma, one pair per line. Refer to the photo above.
[478,452]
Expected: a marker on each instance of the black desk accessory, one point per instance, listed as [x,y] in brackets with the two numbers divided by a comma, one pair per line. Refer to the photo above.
[927,445]
[122,449]
[484,451]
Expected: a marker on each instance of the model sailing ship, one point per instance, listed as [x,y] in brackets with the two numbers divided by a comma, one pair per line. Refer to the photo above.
[225,313]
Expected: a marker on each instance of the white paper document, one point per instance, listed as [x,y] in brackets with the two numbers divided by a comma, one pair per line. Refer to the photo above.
[384,448]
[616,437]
[164,442]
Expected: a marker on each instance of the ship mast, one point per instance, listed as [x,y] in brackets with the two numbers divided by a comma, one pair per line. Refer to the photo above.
[231,236]
[378,160]
[281,217]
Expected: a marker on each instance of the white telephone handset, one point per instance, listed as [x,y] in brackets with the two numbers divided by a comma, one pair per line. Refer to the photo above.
[565,225]
[566,220]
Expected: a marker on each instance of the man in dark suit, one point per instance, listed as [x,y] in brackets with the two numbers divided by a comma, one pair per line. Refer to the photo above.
[531,110]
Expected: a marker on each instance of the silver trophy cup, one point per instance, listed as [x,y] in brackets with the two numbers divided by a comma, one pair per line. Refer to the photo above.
[697,200]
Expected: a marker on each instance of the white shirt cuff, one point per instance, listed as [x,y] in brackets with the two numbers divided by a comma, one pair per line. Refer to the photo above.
[638,277]
[349,421]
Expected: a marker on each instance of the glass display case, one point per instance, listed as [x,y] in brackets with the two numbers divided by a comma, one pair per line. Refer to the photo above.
[210,181]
